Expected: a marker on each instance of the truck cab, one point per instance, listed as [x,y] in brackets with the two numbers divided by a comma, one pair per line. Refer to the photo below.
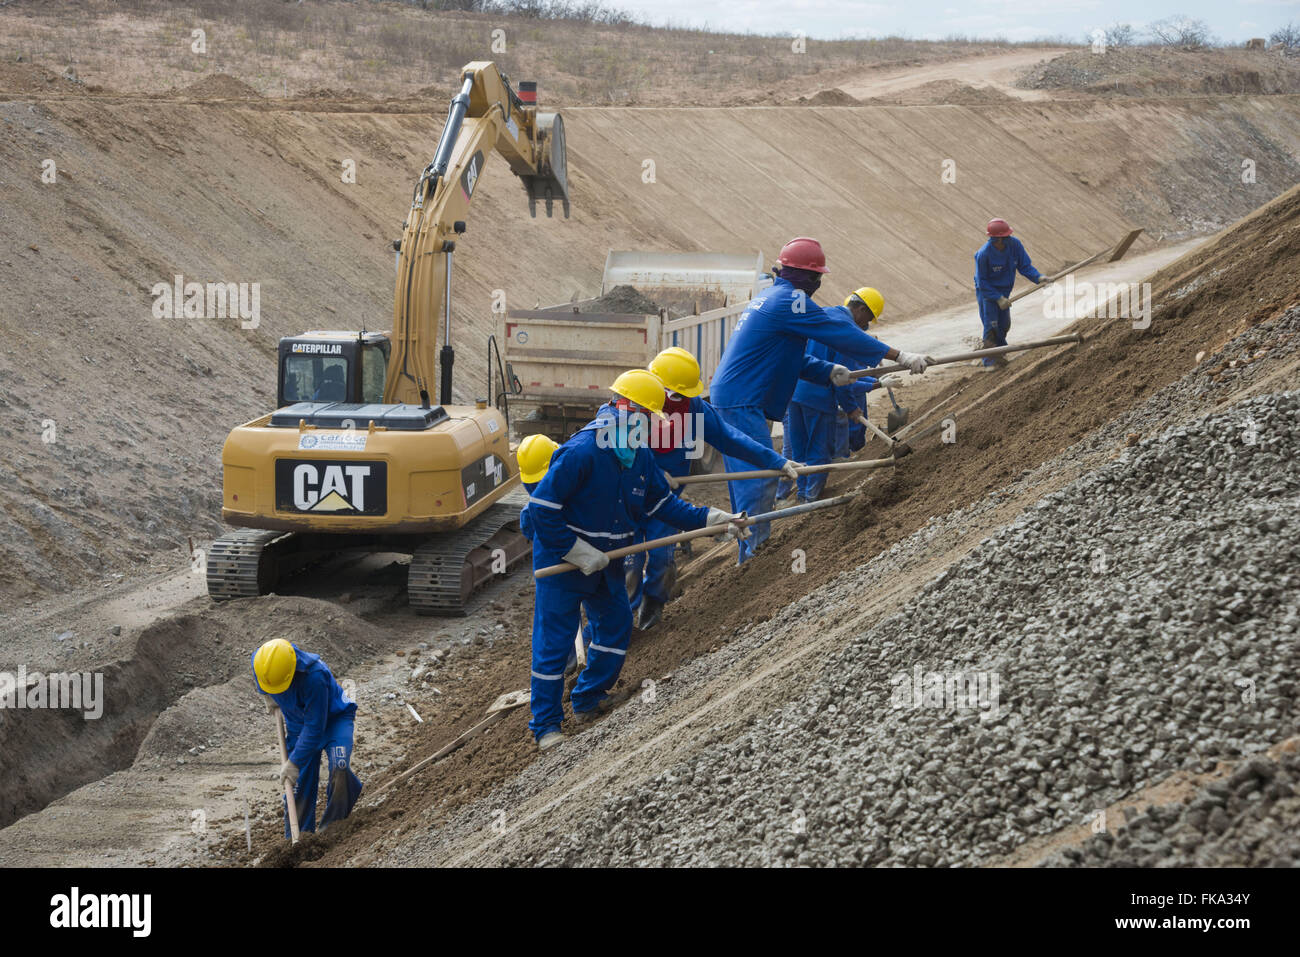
[332,366]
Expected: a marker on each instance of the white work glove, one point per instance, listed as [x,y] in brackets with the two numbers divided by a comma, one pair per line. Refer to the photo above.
[271,707]
[289,773]
[1041,279]
[891,381]
[914,361]
[587,557]
[732,532]
[789,470]
[842,375]
[1004,302]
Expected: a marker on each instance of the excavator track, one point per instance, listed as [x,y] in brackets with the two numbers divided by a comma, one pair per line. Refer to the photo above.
[447,569]
[242,564]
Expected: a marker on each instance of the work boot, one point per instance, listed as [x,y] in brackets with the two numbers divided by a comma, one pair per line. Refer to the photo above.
[549,740]
[652,610]
[603,707]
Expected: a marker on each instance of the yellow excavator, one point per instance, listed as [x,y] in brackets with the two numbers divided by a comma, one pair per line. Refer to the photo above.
[356,456]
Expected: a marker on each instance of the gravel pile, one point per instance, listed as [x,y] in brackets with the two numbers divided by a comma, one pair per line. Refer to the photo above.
[1139,621]
[1252,819]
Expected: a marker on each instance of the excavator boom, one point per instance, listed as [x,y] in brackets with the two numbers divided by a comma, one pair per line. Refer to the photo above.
[485,116]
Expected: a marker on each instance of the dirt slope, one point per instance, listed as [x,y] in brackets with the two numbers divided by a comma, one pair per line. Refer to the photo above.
[240,192]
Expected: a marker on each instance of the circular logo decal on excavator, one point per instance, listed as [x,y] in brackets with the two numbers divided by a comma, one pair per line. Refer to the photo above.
[327,487]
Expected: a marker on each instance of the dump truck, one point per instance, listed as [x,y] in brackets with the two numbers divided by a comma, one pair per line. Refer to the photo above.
[560,360]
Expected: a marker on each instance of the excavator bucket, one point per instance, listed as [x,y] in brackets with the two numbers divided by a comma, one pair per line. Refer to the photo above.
[552,182]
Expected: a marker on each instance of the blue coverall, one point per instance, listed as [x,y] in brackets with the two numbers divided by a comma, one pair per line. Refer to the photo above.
[705,425]
[588,492]
[849,435]
[763,361]
[995,276]
[812,417]
[318,717]
[816,425]
[803,429]
[526,529]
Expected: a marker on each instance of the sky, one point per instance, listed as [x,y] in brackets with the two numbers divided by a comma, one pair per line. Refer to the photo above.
[935,19]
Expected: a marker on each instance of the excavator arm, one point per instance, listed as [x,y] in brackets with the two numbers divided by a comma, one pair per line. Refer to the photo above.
[486,116]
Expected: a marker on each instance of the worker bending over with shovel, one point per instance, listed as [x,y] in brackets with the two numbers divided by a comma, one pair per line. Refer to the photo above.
[319,718]
[687,420]
[602,485]
[996,265]
[812,421]
[765,358]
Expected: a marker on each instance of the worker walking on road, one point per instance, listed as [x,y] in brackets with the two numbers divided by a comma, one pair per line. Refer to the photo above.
[687,421]
[319,719]
[996,265]
[765,358]
[602,485]
[812,421]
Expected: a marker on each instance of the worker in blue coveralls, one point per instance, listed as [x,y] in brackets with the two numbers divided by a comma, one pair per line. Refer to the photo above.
[602,485]
[765,358]
[996,265]
[687,420]
[534,458]
[812,421]
[318,717]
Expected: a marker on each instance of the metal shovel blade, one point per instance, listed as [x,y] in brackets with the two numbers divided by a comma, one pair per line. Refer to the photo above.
[898,416]
[509,700]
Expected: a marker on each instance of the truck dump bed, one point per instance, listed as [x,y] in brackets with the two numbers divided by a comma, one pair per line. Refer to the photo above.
[564,358]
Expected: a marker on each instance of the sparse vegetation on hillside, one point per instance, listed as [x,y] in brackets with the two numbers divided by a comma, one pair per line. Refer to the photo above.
[580,52]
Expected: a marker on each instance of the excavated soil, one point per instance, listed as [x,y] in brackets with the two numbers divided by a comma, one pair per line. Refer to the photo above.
[220,86]
[50,752]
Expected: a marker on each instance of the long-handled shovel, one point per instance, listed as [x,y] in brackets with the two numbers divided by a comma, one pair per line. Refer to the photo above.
[290,801]
[495,712]
[675,480]
[709,530]
[977,354]
[897,448]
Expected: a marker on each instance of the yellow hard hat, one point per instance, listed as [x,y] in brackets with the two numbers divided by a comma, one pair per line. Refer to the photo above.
[274,664]
[534,457]
[642,387]
[679,370]
[869,297]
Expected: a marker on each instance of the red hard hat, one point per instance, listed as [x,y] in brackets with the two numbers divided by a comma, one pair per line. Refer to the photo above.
[999,227]
[803,253]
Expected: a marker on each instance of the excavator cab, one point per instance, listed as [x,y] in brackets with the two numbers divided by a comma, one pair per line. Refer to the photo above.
[333,367]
